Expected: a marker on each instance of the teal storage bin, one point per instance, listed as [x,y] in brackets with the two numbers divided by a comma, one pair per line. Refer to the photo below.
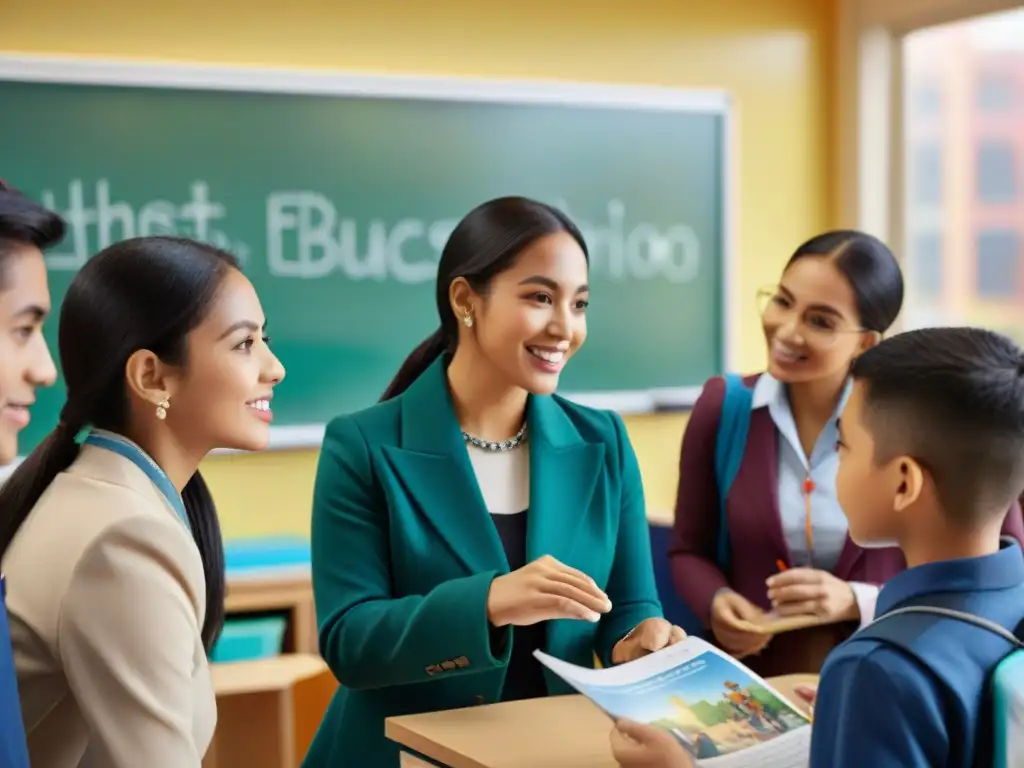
[249,639]
[267,555]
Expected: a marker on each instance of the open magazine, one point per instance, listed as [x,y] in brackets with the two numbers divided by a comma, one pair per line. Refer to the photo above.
[721,712]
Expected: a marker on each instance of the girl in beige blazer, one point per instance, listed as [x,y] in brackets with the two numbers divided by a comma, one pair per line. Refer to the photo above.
[110,540]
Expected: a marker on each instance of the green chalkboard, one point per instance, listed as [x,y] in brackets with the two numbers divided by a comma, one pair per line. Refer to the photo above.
[339,192]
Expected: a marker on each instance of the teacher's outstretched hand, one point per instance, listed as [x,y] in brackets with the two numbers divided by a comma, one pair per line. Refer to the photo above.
[543,590]
[648,636]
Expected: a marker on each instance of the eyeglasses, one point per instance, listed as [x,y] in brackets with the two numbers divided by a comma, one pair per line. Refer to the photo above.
[817,327]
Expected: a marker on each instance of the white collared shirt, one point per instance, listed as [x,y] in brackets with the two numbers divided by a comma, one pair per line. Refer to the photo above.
[828,523]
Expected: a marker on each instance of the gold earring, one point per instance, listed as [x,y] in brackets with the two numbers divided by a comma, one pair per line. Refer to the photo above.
[468,320]
[161,408]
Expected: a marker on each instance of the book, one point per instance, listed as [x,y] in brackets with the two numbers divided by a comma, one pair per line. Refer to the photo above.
[721,712]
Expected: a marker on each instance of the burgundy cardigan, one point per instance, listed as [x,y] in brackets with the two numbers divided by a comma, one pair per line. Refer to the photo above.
[757,538]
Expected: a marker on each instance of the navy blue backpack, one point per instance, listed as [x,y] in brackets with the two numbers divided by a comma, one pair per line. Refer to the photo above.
[1000,736]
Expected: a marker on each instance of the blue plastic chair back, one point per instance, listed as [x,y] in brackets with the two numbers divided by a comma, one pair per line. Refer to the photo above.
[13,746]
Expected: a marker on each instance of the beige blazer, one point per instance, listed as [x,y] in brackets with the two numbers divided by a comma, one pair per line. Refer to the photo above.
[106,597]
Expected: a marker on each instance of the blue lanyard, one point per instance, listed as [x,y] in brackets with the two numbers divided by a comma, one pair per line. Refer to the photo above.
[138,457]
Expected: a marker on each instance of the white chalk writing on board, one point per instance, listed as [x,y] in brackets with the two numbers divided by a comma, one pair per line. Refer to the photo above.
[307,237]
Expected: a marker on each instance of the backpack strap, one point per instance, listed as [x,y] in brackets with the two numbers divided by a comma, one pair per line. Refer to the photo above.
[948,613]
[730,445]
[901,635]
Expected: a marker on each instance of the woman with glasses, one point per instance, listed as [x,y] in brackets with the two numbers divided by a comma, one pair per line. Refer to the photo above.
[779,541]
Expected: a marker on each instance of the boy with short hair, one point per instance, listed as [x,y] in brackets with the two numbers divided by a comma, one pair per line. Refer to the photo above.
[931,456]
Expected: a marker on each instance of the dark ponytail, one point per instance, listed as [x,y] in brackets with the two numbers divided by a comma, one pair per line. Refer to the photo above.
[202,516]
[33,476]
[416,363]
[485,243]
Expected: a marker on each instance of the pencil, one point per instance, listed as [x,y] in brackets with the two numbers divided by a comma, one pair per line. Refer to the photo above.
[781,565]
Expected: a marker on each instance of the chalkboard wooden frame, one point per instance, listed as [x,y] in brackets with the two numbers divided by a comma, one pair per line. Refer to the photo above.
[95,71]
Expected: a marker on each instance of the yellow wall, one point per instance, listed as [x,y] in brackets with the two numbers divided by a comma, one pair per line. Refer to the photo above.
[774,56]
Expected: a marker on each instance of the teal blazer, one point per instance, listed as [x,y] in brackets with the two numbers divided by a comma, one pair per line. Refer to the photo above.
[404,552]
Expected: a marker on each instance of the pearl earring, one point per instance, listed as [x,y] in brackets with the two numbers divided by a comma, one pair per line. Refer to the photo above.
[468,321]
[161,408]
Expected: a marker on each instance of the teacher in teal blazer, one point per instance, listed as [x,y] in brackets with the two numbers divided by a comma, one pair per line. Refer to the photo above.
[472,516]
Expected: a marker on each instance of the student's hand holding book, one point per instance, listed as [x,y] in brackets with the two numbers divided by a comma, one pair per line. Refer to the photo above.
[673,734]
[635,745]
[808,693]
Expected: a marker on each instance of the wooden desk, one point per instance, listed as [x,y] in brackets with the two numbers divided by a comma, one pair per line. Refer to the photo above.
[268,711]
[557,732]
[290,592]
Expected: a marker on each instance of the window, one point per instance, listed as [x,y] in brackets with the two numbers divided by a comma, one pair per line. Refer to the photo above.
[998,263]
[925,267]
[962,155]
[996,172]
[927,174]
[995,92]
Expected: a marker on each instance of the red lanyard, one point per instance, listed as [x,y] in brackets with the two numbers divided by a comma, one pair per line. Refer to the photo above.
[808,527]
